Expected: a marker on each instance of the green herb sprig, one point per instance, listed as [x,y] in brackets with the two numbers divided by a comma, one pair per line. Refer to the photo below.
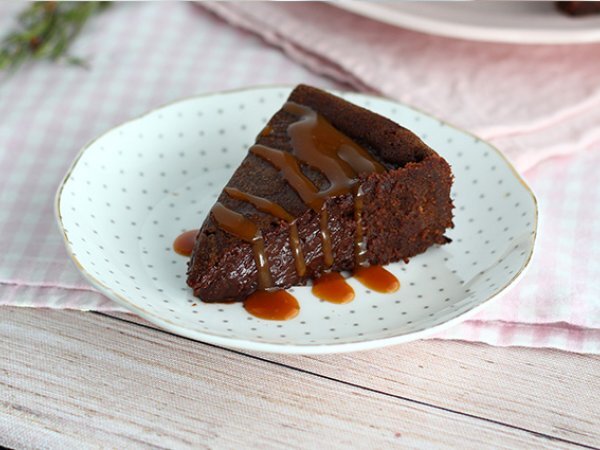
[46,30]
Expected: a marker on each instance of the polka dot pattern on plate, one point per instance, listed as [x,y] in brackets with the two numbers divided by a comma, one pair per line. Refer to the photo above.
[140,185]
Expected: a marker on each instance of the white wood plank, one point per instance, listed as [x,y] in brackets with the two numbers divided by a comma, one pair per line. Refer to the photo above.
[546,391]
[112,384]
[551,392]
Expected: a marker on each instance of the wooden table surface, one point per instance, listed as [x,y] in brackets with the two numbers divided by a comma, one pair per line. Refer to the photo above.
[77,380]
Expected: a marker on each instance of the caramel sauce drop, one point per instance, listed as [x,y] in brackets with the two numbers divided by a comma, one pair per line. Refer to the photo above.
[184,243]
[272,305]
[377,279]
[332,288]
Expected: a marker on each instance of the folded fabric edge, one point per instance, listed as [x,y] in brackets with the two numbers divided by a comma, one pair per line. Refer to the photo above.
[558,335]
[56,298]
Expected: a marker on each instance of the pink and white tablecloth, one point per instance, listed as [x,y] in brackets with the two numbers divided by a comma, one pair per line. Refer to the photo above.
[539,104]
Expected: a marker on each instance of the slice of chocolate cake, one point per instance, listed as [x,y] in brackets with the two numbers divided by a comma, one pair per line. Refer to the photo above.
[328,186]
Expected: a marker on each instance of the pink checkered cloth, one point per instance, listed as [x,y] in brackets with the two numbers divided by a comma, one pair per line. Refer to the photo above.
[178,49]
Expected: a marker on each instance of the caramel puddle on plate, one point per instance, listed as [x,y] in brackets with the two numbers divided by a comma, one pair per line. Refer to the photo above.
[332,287]
[377,279]
[272,305]
[184,243]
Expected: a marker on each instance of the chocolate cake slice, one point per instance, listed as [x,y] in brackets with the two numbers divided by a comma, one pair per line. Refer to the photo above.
[328,186]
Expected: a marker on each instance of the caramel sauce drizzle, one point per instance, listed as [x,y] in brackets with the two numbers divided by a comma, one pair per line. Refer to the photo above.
[326,238]
[289,167]
[320,145]
[360,243]
[246,230]
[262,204]
[317,144]
[269,207]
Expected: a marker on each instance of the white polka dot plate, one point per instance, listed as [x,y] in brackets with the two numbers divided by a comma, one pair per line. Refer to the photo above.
[133,190]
